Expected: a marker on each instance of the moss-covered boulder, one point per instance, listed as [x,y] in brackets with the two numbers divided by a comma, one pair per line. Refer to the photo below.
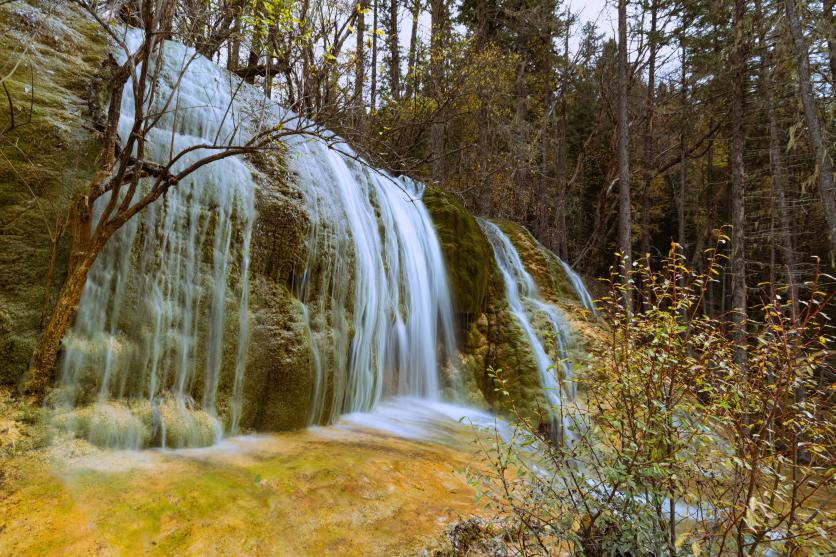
[469,258]
[280,372]
[50,52]
[493,345]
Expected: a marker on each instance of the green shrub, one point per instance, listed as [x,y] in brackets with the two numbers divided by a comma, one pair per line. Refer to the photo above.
[675,448]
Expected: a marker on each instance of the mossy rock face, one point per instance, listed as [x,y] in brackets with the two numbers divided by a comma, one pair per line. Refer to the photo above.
[279,244]
[43,161]
[497,342]
[490,336]
[136,425]
[467,253]
[280,377]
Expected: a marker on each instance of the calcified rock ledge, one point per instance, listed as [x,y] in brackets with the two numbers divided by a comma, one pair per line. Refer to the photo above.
[233,303]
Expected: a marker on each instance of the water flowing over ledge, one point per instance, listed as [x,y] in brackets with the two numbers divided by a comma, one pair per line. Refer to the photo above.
[375,270]
[158,352]
[524,302]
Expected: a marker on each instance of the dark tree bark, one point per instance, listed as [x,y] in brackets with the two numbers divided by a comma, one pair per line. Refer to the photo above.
[438,13]
[814,125]
[359,59]
[234,41]
[373,92]
[413,51]
[780,205]
[738,190]
[829,21]
[394,52]
[624,218]
[650,106]
[561,157]
[683,156]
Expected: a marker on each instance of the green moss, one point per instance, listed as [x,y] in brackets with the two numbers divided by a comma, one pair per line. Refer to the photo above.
[510,356]
[279,245]
[279,382]
[470,261]
[136,425]
[42,161]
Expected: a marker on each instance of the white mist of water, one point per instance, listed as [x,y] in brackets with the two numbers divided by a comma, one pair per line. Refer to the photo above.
[161,300]
[524,302]
[375,289]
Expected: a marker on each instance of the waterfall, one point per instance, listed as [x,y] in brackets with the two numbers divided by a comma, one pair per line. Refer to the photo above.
[171,286]
[158,350]
[525,303]
[375,288]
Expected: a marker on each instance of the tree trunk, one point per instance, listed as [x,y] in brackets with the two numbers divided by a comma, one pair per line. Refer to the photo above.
[647,155]
[520,147]
[359,60]
[814,126]
[776,163]
[256,41]
[738,192]
[709,222]
[373,94]
[562,155]
[46,352]
[483,123]
[268,62]
[394,52]
[683,160]
[83,254]
[438,14]
[830,33]
[624,224]
[413,50]
[234,42]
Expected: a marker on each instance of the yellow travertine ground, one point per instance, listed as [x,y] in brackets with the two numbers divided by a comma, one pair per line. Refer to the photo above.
[328,491]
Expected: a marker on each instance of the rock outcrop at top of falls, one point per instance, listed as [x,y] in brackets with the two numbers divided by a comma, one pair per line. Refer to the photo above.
[277,293]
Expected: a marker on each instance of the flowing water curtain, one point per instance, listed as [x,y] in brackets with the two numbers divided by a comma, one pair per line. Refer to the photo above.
[375,289]
[171,287]
[525,304]
[580,287]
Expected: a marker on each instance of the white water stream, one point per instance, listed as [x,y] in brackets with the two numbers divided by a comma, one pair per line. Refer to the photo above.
[375,288]
[164,318]
[524,302]
[171,287]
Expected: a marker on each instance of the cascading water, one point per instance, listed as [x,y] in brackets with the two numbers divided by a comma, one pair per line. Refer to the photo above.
[375,289]
[172,285]
[150,356]
[580,287]
[524,303]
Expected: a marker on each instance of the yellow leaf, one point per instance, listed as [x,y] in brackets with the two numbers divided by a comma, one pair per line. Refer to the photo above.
[681,539]
[695,548]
